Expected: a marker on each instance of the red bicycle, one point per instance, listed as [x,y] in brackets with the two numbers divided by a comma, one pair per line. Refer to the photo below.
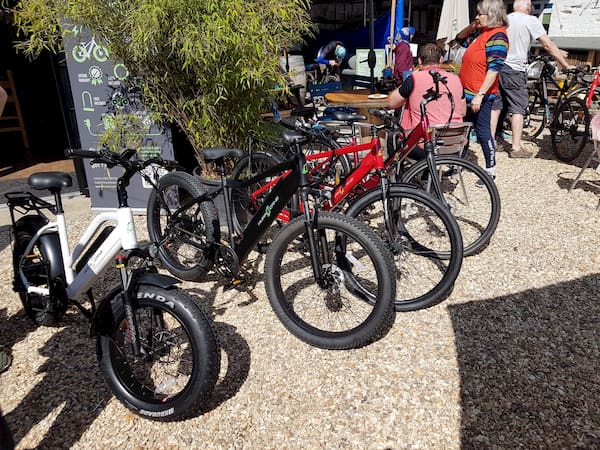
[460,184]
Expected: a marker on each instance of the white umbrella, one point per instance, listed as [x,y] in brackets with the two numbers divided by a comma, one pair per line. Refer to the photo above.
[454,17]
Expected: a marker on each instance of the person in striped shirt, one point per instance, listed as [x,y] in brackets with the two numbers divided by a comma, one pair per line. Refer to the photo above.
[486,41]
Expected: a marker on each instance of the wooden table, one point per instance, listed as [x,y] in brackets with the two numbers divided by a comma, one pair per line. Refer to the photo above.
[357,98]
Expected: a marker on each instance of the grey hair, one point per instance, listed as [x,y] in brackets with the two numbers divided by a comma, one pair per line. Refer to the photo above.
[521,4]
[496,12]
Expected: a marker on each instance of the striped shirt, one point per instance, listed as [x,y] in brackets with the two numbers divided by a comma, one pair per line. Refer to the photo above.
[483,54]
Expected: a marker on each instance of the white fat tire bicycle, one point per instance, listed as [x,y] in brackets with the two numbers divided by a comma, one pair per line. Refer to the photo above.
[157,349]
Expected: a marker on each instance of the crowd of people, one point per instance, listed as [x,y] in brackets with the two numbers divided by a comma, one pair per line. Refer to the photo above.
[492,80]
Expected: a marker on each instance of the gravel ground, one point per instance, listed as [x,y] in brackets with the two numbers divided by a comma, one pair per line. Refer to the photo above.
[508,361]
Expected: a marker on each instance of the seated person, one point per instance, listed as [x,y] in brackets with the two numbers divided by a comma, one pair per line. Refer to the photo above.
[333,54]
[410,93]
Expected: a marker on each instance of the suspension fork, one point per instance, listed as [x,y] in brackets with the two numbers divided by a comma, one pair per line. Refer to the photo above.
[385,194]
[310,225]
[132,328]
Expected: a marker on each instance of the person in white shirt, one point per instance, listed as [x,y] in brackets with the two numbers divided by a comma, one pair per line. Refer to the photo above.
[523,28]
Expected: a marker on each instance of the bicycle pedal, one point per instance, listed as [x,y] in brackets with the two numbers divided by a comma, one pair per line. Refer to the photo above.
[234,283]
[262,247]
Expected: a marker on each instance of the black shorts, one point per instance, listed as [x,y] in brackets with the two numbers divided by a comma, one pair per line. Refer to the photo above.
[513,91]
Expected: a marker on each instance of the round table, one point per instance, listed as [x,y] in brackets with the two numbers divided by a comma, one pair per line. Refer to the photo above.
[358,98]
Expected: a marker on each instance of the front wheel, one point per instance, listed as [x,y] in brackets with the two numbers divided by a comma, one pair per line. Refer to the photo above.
[179,361]
[534,120]
[351,304]
[424,239]
[470,193]
[570,129]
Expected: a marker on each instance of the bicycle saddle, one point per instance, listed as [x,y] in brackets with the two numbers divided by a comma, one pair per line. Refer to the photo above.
[212,154]
[50,180]
[290,138]
[345,117]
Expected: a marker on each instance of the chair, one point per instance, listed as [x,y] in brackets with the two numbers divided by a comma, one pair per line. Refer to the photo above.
[450,139]
[317,96]
[594,156]
[12,118]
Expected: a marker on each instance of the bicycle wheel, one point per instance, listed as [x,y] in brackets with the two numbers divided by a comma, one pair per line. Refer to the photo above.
[352,305]
[570,129]
[469,191]
[180,360]
[326,173]
[185,241]
[534,120]
[43,268]
[246,201]
[424,239]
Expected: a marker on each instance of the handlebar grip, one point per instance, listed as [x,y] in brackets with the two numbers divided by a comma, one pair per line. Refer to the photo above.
[72,153]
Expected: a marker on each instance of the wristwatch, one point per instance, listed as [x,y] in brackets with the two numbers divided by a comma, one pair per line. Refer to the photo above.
[481,93]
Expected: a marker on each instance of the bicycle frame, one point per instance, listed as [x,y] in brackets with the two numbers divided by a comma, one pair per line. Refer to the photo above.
[123,237]
[372,161]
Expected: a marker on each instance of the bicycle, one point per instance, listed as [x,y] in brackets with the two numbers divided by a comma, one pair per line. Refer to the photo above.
[567,119]
[156,348]
[329,278]
[476,210]
[422,235]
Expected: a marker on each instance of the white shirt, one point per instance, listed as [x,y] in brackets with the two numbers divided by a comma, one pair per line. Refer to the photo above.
[522,30]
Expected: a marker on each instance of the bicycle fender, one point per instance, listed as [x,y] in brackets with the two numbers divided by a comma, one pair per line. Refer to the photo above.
[104,311]
[49,242]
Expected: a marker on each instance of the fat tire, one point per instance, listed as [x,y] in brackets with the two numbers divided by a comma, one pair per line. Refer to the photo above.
[454,257]
[207,214]
[381,316]
[559,130]
[49,248]
[204,352]
[470,247]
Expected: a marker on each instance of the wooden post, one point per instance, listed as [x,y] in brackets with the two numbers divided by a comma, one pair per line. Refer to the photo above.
[392,29]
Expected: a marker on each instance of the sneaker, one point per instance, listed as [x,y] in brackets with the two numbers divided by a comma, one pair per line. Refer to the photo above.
[473,136]
[520,154]
[480,183]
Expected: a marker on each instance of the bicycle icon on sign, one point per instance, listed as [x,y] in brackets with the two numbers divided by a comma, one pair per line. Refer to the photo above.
[86,50]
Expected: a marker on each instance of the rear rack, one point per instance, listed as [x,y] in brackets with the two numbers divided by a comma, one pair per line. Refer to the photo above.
[24,202]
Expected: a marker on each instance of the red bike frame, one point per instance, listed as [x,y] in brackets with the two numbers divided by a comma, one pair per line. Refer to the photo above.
[362,175]
[593,86]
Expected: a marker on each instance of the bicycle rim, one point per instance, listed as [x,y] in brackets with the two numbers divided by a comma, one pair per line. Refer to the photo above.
[167,369]
[570,129]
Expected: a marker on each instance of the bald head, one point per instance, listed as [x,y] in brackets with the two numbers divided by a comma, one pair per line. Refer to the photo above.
[522,6]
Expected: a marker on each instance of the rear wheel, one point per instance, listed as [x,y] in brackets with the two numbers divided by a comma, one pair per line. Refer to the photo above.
[535,116]
[43,268]
[570,129]
[469,191]
[185,241]
[179,361]
[424,239]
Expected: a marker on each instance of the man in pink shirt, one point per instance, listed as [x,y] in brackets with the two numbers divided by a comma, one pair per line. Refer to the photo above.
[410,93]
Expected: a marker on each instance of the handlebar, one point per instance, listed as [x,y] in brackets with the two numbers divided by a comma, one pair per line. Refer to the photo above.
[124,159]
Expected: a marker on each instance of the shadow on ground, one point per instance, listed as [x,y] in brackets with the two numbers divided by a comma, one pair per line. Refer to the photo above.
[529,367]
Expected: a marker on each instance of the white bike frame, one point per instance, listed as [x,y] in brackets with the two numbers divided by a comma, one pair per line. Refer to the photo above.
[123,237]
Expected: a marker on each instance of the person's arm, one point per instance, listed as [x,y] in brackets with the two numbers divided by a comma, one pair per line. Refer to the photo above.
[496,49]
[559,55]
[463,34]
[3,98]
[399,96]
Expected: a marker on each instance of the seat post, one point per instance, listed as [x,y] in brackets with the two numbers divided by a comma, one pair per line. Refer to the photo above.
[57,201]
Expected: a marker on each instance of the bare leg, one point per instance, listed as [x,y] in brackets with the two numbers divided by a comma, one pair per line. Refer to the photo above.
[517,130]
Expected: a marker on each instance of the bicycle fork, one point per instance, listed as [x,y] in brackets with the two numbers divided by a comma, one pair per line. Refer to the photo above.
[132,328]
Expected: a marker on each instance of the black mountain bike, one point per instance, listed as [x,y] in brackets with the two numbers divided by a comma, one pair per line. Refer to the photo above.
[328,277]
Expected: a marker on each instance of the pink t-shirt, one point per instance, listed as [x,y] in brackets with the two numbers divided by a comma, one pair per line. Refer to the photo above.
[438,111]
